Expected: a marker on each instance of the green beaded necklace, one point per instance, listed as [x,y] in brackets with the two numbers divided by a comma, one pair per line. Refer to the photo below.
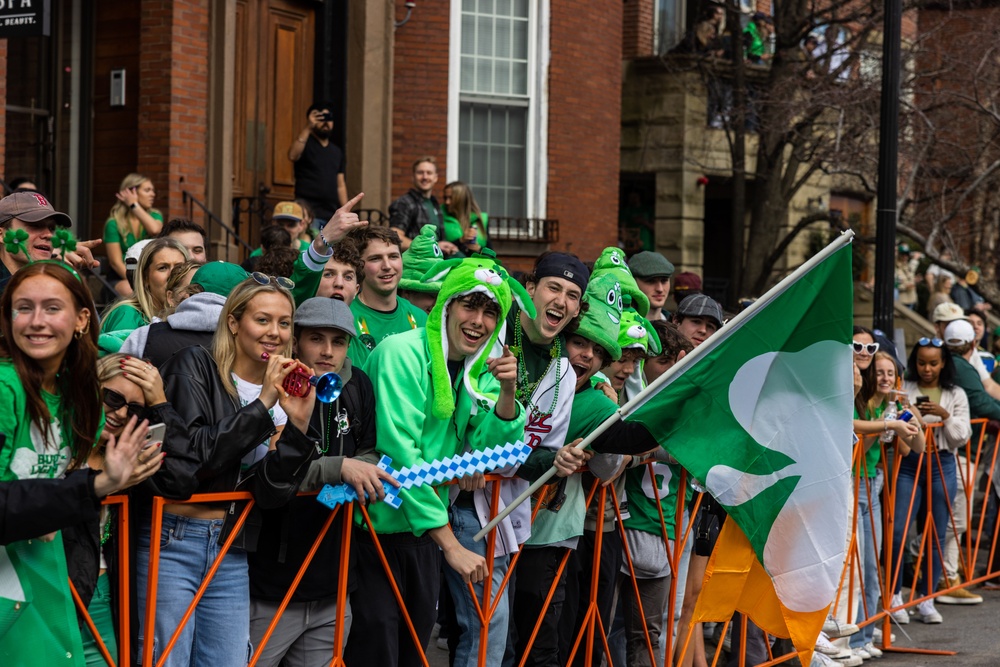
[526,390]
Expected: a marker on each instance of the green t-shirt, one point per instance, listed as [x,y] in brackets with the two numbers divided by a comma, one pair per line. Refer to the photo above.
[590,408]
[113,235]
[27,453]
[374,326]
[643,514]
[302,248]
[453,228]
[123,318]
[874,453]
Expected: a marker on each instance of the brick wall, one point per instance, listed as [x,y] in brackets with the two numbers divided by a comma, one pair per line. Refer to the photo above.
[420,94]
[584,124]
[3,113]
[173,98]
[637,28]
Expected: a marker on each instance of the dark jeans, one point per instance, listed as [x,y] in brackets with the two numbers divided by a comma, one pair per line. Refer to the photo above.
[536,569]
[379,635]
[578,591]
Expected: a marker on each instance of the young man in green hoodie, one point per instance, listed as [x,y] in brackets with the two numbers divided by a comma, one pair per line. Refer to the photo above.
[466,400]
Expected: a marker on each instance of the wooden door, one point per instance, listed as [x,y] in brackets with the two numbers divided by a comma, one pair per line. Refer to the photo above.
[273,87]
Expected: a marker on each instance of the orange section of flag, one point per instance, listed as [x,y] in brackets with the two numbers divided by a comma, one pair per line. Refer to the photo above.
[736,581]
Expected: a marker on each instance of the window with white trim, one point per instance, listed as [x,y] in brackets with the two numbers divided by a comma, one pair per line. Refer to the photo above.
[496,103]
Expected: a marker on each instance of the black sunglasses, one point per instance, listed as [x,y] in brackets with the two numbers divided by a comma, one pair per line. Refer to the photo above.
[870,348]
[280,281]
[936,342]
[115,401]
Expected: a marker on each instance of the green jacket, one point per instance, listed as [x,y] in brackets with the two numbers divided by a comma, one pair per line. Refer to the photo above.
[453,228]
[981,404]
[400,372]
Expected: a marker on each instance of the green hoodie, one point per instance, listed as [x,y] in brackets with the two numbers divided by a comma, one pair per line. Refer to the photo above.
[400,370]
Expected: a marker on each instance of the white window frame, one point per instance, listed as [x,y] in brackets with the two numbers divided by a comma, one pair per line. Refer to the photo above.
[537,139]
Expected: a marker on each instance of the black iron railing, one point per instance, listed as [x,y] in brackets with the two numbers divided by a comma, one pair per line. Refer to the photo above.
[530,230]
[373,216]
[230,239]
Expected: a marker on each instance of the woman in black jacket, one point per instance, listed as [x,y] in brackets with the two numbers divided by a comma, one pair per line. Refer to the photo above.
[233,416]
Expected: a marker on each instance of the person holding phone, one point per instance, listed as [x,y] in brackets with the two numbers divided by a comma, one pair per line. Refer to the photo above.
[931,372]
[127,387]
[131,220]
[872,421]
[319,164]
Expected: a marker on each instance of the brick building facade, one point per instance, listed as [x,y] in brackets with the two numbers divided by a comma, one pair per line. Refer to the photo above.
[216,91]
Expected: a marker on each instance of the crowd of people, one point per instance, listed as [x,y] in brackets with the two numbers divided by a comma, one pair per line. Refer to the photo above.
[179,388]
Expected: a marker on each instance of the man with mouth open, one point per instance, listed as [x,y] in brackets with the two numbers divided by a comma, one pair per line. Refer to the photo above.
[32,212]
[379,311]
[466,400]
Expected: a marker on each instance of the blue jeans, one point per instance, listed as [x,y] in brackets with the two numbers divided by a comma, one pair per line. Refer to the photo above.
[218,632]
[465,524]
[912,473]
[869,511]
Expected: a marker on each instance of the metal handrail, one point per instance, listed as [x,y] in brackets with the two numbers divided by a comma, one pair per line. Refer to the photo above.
[213,221]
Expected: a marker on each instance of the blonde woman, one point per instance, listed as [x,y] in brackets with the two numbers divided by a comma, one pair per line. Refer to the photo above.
[464,222]
[132,219]
[230,408]
[156,262]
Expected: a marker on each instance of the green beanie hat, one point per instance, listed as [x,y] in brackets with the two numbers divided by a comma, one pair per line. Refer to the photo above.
[459,277]
[420,258]
[612,261]
[635,331]
[604,313]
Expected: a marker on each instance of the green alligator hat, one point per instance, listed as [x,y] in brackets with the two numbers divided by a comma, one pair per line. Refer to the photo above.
[459,277]
[612,261]
[420,258]
[635,331]
[603,317]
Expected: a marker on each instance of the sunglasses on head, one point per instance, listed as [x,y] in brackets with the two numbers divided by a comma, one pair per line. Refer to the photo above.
[935,342]
[280,281]
[870,348]
[115,401]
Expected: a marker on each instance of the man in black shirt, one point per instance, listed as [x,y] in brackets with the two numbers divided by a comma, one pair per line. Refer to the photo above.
[319,165]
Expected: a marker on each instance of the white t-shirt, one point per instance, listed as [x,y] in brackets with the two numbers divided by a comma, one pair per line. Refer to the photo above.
[249,393]
[980,365]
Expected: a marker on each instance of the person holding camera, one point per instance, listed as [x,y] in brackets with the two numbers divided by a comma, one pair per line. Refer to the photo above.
[319,164]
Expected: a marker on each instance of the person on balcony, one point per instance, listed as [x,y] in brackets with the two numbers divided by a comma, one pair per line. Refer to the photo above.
[419,207]
[464,222]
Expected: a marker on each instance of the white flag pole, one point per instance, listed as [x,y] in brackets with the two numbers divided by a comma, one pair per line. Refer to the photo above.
[674,371]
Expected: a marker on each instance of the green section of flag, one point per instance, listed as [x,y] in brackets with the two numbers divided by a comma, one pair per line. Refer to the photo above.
[690,414]
[43,629]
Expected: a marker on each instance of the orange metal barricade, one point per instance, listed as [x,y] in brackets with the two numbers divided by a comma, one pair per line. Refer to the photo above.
[890,565]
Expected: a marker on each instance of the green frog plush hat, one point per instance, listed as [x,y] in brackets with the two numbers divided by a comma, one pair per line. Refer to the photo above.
[459,277]
[635,331]
[612,261]
[602,320]
[422,255]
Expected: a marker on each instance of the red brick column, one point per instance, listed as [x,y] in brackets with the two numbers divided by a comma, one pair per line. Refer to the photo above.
[3,112]
[173,98]
[637,29]
[420,93]
[585,84]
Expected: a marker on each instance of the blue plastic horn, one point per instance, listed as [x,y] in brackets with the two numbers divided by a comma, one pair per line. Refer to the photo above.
[328,386]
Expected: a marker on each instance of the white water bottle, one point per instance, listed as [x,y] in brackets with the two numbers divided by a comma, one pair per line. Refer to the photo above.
[890,414]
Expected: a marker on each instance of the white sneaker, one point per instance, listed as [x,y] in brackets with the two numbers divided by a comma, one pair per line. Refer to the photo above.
[825,646]
[861,653]
[877,636]
[873,650]
[927,613]
[901,616]
[820,660]
[834,628]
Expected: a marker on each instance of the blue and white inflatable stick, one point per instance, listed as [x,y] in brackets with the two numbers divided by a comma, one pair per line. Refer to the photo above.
[433,473]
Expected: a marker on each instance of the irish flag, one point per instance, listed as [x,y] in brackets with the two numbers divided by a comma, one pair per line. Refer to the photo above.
[760,413]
